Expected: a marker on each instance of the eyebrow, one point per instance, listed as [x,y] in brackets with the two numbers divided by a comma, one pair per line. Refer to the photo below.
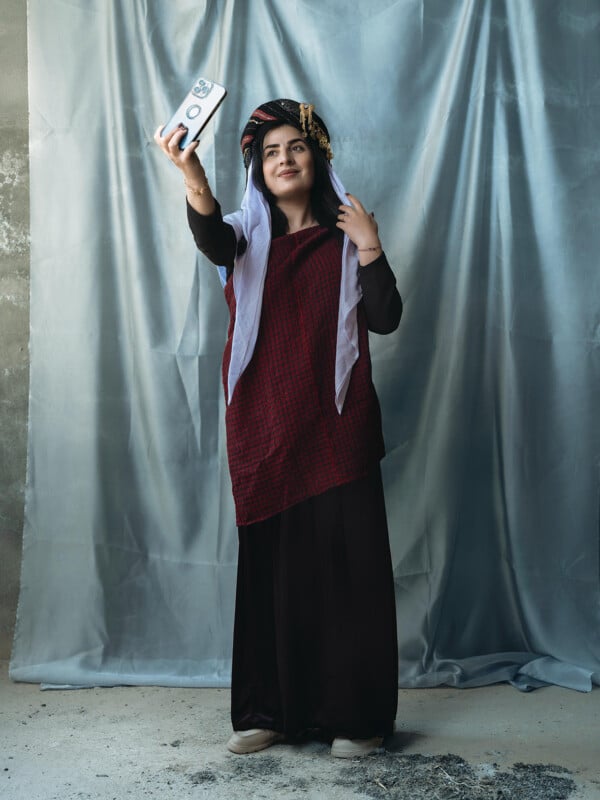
[291,141]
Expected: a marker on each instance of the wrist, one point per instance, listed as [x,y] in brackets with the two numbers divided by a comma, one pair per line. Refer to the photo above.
[198,185]
[369,251]
[369,245]
[367,240]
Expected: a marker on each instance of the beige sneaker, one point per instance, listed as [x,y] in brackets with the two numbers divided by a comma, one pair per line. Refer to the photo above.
[355,748]
[252,741]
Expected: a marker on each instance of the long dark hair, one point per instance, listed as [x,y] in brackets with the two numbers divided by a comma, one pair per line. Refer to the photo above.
[324,201]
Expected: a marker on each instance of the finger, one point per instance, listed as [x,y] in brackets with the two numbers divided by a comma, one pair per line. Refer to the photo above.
[167,137]
[191,147]
[175,138]
[162,143]
[355,202]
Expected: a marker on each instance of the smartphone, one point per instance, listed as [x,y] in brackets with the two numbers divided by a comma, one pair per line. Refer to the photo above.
[197,108]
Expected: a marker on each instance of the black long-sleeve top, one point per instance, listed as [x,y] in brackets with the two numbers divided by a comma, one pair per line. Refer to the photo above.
[380,298]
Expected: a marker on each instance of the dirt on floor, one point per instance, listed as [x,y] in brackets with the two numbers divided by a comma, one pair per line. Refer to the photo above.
[134,743]
[392,776]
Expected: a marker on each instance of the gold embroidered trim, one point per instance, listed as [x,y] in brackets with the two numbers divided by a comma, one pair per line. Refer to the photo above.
[312,128]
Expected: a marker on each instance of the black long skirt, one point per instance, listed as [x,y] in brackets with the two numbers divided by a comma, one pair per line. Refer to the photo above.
[315,648]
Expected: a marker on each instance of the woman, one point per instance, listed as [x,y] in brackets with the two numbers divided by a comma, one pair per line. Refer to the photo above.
[305,278]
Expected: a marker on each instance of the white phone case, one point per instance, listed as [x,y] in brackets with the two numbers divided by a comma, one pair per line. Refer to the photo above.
[197,108]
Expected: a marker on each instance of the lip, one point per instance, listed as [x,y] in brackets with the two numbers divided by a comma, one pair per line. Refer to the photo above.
[287,173]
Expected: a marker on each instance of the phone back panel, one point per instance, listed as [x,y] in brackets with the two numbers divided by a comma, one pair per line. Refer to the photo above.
[197,108]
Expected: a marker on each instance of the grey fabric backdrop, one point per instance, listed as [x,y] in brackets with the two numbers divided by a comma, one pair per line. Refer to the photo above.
[471,128]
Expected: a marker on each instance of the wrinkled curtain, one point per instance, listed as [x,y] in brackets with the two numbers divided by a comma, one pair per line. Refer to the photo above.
[470,127]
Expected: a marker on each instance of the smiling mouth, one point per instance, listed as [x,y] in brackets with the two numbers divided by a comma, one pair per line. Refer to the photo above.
[288,173]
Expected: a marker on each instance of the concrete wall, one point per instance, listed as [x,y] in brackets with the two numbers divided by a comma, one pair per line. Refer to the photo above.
[14,304]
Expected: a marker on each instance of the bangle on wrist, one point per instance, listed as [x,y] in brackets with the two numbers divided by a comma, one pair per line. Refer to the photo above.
[195,190]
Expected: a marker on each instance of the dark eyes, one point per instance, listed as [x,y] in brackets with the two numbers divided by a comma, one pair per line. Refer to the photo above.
[296,148]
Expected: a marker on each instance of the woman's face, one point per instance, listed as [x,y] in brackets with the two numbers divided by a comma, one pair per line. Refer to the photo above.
[288,166]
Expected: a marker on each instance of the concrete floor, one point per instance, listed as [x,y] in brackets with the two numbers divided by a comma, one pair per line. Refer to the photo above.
[140,742]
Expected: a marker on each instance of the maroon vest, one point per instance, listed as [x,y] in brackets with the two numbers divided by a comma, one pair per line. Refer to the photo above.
[285,439]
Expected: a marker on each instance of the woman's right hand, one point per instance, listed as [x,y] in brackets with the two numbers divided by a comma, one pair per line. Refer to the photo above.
[198,191]
[186,160]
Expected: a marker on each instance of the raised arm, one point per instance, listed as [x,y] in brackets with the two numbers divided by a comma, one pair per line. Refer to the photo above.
[215,238]
[380,297]
[198,191]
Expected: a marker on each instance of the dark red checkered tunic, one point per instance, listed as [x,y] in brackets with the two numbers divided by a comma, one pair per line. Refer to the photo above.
[285,439]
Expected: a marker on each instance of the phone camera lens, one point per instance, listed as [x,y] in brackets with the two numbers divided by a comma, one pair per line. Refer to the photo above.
[202,88]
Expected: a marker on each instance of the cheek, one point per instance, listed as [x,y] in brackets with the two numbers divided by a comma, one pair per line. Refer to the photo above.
[267,173]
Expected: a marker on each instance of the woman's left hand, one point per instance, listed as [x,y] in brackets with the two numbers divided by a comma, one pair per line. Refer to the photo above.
[361,228]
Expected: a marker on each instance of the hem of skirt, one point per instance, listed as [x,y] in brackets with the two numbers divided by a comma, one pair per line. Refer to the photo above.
[325,733]
[296,501]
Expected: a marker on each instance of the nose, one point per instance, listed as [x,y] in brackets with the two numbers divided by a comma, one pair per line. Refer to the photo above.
[286,157]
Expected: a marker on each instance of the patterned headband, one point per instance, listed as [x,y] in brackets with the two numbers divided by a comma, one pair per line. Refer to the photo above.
[290,112]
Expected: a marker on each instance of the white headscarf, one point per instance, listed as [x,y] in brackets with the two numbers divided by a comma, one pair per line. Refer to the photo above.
[253,222]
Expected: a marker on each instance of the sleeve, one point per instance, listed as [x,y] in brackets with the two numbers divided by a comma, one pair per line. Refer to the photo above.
[213,237]
[380,297]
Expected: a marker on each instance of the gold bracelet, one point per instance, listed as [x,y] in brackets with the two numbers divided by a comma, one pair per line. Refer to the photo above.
[193,189]
[368,249]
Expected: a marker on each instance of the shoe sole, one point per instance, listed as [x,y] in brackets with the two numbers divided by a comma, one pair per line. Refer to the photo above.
[242,750]
[348,752]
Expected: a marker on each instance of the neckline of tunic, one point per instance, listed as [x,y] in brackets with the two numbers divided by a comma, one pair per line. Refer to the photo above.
[302,230]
